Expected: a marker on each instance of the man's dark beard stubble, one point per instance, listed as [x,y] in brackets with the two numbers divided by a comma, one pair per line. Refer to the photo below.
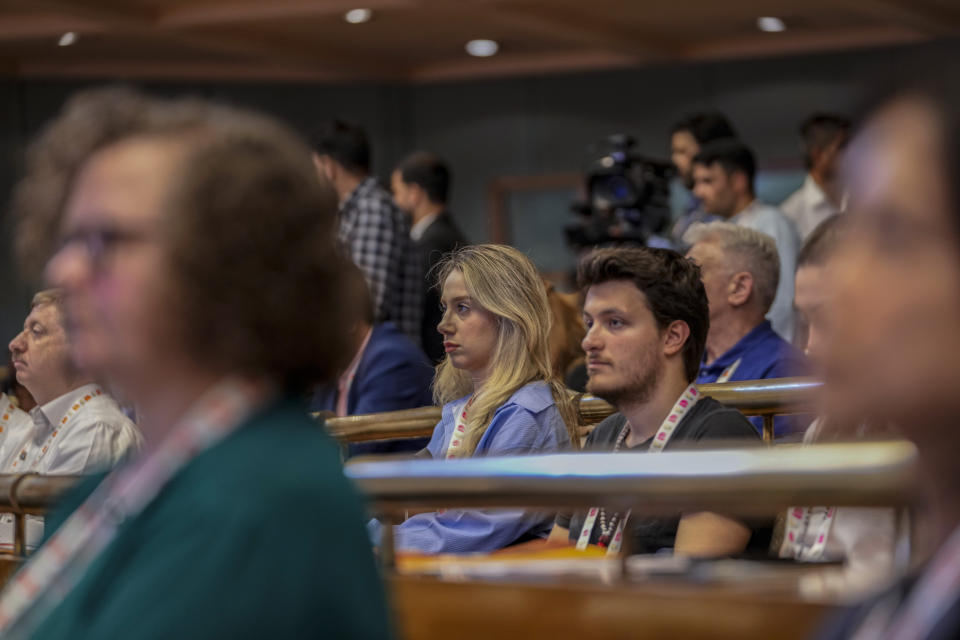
[636,391]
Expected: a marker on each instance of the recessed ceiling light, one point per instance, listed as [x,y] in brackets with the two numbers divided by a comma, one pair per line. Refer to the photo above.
[482,48]
[771,24]
[67,39]
[358,16]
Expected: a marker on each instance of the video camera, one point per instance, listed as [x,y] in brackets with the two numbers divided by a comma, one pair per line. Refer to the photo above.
[628,198]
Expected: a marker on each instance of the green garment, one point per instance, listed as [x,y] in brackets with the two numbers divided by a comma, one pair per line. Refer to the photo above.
[260,536]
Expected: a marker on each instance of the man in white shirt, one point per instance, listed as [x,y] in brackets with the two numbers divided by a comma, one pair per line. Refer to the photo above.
[723,174]
[824,138]
[76,427]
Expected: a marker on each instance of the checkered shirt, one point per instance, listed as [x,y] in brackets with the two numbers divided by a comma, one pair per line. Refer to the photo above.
[377,236]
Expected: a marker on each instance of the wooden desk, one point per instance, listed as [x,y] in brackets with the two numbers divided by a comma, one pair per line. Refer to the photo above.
[432,609]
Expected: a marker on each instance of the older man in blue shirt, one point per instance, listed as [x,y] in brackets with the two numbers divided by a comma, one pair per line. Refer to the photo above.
[741,271]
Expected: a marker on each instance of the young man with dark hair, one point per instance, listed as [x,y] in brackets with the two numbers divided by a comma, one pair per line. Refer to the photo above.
[372,228]
[647,320]
[420,185]
[686,138]
[724,173]
[824,137]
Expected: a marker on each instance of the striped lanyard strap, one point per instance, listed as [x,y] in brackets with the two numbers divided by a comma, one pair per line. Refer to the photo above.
[795,540]
[458,437]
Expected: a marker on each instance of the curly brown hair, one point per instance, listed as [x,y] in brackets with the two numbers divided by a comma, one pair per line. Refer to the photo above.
[671,284]
[249,229]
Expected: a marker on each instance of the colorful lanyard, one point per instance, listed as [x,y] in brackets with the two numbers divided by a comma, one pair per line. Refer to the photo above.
[613,542]
[798,522]
[9,410]
[71,412]
[54,570]
[459,431]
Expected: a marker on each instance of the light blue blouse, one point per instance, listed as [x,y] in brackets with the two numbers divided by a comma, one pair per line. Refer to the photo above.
[528,423]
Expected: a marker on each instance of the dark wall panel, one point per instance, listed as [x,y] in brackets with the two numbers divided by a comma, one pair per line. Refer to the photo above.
[528,125]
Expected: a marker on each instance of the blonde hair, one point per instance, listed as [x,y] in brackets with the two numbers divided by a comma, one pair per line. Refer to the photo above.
[504,282]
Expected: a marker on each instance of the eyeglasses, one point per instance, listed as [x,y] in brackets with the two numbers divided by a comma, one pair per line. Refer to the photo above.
[100,244]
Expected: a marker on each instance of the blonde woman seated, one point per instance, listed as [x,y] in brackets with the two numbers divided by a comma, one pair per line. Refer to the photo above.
[498,394]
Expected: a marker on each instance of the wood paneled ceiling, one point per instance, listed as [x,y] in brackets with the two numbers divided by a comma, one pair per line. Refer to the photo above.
[423,40]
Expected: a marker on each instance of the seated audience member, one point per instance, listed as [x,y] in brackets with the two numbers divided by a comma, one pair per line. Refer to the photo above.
[387,373]
[420,185]
[740,271]
[77,428]
[724,173]
[893,354]
[862,538]
[824,138]
[235,521]
[497,389]
[374,232]
[647,318]
[686,139]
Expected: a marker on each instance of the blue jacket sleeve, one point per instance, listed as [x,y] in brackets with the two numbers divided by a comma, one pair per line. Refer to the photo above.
[400,384]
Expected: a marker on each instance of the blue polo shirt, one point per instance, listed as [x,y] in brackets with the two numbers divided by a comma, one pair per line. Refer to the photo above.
[763,355]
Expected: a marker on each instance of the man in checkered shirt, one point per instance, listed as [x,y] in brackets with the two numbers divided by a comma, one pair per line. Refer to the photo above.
[372,228]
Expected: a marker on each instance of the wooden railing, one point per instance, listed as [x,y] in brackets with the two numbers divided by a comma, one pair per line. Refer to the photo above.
[740,482]
[765,398]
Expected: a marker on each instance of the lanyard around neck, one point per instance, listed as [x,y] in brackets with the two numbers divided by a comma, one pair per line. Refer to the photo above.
[667,428]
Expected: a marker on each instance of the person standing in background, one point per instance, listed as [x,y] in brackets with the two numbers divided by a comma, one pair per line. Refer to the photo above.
[686,139]
[724,172]
[824,138]
[420,185]
[374,232]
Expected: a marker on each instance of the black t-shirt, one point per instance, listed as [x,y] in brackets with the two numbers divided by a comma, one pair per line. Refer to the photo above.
[707,420]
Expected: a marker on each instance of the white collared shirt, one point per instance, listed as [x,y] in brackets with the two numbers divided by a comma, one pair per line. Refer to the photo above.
[771,221]
[95,436]
[807,207]
[864,538]
[418,229]
[15,425]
